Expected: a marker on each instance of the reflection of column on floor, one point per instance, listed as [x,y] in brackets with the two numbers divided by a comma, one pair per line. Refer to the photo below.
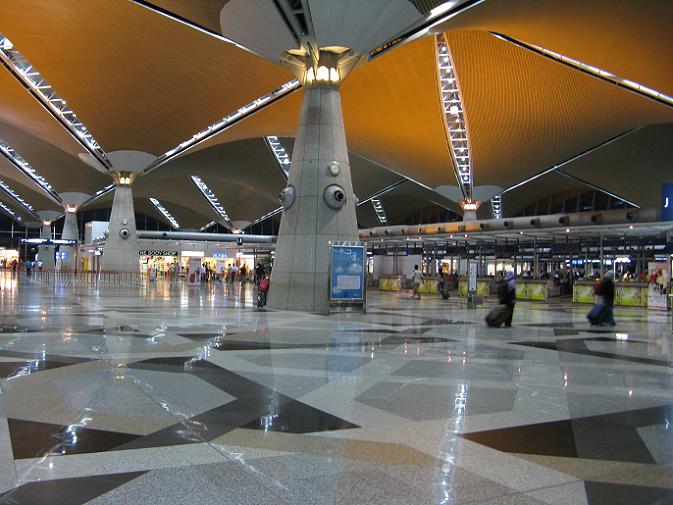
[46,252]
[320,204]
[71,202]
[120,253]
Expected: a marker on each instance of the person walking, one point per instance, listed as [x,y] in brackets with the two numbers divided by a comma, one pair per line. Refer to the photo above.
[606,289]
[263,290]
[443,285]
[416,279]
[507,295]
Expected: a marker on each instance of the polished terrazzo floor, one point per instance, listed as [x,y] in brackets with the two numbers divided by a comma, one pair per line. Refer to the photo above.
[175,395]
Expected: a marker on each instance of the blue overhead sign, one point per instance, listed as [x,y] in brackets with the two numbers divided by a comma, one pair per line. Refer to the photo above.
[667,201]
[348,273]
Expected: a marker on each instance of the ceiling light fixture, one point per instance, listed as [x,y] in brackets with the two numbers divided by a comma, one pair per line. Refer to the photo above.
[210,131]
[281,155]
[38,86]
[211,197]
[589,69]
[380,211]
[164,211]
[454,119]
[24,167]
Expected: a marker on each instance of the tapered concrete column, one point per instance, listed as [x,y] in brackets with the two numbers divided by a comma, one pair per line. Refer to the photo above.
[46,252]
[323,209]
[121,245]
[71,203]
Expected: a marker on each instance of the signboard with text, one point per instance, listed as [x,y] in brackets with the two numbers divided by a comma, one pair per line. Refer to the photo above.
[667,201]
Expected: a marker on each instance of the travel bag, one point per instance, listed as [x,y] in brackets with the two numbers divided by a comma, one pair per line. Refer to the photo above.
[597,314]
[497,316]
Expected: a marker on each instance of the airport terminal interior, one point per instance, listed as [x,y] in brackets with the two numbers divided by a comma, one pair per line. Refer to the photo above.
[372,252]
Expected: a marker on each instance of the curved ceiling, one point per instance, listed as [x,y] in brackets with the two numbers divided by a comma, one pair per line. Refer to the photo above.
[630,39]
[140,80]
[137,79]
[526,113]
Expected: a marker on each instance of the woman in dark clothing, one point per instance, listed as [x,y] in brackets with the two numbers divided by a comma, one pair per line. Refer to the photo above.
[507,295]
[606,289]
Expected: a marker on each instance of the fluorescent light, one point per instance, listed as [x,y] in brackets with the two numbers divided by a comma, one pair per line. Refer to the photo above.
[379,210]
[211,197]
[164,211]
[57,105]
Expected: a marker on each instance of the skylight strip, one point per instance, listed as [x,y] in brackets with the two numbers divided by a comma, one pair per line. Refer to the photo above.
[191,24]
[17,198]
[281,155]
[226,122]
[454,117]
[9,212]
[206,226]
[496,207]
[209,195]
[165,213]
[379,210]
[47,96]
[594,71]
[25,167]
[267,216]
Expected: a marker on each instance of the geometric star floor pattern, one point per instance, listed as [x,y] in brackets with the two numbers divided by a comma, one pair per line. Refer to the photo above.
[169,394]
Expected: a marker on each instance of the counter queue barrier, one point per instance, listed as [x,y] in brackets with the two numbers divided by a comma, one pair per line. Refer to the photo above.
[87,278]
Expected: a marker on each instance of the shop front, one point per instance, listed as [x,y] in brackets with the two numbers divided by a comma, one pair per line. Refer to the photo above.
[162,263]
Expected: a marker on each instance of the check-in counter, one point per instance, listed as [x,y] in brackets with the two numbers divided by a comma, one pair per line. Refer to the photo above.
[534,289]
[483,286]
[391,282]
[627,294]
[429,285]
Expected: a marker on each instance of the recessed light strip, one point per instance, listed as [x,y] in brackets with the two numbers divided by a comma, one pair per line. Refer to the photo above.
[454,116]
[165,213]
[496,207]
[9,212]
[226,122]
[206,226]
[18,199]
[379,210]
[281,155]
[24,167]
[31,79]
[594,71]
[209,195]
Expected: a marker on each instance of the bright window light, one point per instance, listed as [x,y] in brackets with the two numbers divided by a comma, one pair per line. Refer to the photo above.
[454,117]
[49,98]
[211,197]
[28,170]
[165,213]
[281,155]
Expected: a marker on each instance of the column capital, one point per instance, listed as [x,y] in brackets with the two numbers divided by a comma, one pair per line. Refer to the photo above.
[328,68]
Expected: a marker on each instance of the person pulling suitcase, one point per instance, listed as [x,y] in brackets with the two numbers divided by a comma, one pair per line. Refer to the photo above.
[503,312]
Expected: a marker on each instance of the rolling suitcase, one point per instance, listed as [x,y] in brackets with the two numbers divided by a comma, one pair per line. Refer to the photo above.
[497,316]
[597,314]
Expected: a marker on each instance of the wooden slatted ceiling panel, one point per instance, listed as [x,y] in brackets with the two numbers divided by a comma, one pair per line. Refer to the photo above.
[137,79]
[62,171]
[526,113]
[633,167]
[551,184]
[19,109]
[203,12]
[630,39]
[392,115]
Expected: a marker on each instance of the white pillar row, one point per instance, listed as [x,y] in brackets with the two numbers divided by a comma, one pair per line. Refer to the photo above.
[71,202]
[319,201]
[45,253]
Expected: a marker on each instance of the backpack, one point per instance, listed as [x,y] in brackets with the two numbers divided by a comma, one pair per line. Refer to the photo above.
[264,285]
